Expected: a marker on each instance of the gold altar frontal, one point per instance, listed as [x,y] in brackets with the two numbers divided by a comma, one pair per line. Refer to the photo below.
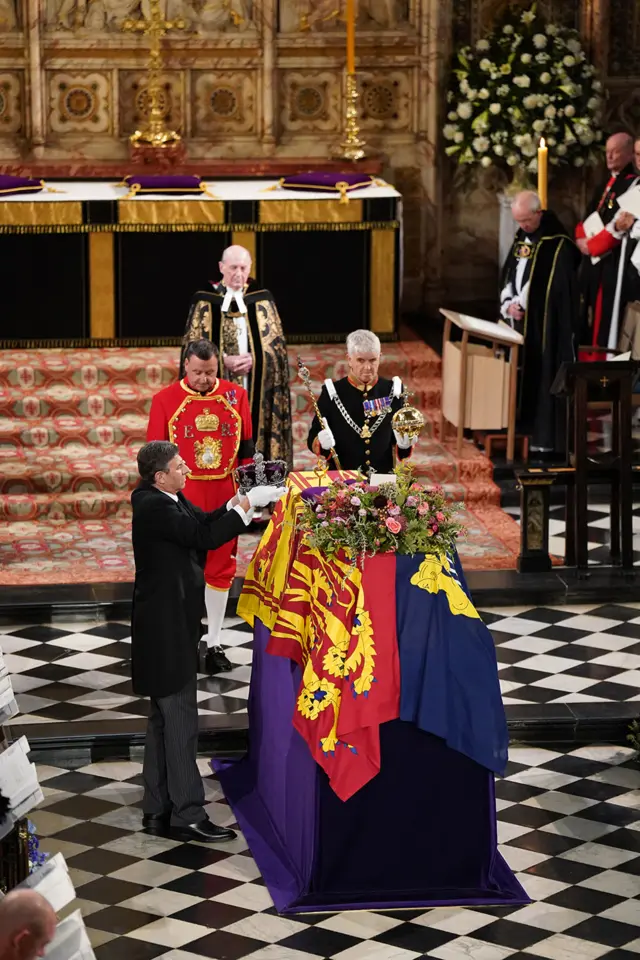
[148,254]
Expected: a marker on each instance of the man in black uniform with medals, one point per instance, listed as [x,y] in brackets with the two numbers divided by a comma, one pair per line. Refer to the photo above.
[357,411]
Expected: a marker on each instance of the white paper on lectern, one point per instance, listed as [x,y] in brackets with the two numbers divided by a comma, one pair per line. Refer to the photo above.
[630,202]
[484,328]
[52,881]
[621,357]
[593,225]
[71,941]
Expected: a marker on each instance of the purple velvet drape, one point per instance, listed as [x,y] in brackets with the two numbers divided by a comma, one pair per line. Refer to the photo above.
[421,833]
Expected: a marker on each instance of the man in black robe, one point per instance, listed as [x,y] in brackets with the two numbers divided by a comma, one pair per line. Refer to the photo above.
[242,319]
[170,536]
[599,279]
[539,299]
[357,411]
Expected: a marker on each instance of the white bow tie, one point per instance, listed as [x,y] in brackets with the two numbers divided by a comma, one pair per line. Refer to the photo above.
[233,295]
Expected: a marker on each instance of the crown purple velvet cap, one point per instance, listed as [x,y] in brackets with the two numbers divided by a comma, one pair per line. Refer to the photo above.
[164,184]
[10,184]
[260,473]
[322,180]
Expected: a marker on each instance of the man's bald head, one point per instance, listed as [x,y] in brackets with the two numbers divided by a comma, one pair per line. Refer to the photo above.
[235,266]
[27,925]
[619,151]
[527,210]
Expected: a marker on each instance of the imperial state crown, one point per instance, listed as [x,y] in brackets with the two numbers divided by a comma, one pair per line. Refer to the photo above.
[261,473]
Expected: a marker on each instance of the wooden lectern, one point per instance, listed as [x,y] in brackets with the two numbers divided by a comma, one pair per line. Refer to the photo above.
[479,385]
[610,381]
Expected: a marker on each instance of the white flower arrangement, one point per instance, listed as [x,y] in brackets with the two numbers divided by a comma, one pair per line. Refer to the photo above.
[525,80]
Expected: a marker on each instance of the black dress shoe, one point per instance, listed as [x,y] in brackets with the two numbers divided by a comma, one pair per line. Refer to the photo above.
[204,832]
[216,661]
[158,825]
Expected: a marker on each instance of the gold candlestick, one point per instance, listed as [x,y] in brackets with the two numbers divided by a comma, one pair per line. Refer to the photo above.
[155,132]
[352,147]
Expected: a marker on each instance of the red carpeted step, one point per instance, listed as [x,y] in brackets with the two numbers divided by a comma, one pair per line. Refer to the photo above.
[65,507]
[59,400]
[31,369]
[67,470]
[75,431]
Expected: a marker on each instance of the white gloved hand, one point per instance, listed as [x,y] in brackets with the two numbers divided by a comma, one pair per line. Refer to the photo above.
[262,496]
[325,438]
[403,440]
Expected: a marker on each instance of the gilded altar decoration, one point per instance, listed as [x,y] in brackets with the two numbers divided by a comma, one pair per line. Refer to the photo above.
[208,453]
[524,80]
[155,134]
[207,420]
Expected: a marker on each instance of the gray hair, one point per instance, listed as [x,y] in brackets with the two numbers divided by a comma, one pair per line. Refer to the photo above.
[530,198]
[362,341]
[155,457]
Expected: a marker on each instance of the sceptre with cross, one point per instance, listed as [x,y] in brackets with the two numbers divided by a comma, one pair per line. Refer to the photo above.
[154,133]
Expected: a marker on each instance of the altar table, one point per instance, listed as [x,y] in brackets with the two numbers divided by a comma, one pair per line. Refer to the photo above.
[118,267]
[400,812]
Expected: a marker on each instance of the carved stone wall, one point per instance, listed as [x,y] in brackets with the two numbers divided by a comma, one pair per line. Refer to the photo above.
[252,79]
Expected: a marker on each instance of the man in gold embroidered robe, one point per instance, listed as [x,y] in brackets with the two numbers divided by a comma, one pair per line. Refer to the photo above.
[242,319]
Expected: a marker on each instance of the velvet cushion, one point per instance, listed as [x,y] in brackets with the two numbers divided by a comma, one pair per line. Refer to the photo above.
[334,182]
[141,183]
[10,185]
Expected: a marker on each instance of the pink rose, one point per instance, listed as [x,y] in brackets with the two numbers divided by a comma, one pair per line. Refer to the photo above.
[423,509]
[395,511]
[412,501]
[356,501]
[362,512]
[435,528]
[439,516]
[392,525]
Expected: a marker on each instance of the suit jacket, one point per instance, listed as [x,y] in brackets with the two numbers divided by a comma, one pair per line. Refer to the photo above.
[169,541]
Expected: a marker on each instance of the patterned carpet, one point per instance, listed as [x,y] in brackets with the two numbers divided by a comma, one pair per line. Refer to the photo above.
[72,420]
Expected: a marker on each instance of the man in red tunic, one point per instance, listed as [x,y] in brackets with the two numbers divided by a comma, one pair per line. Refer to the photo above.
[599,278]
[210,421]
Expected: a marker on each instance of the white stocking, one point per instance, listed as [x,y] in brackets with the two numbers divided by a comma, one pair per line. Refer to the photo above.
[216,603]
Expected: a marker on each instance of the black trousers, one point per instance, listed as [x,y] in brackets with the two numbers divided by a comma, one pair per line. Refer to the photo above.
[172,781]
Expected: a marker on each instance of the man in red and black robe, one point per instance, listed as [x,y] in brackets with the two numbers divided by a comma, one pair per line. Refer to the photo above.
[599,279]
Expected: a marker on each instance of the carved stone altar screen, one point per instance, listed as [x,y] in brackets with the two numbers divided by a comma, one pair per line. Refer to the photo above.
[263,79]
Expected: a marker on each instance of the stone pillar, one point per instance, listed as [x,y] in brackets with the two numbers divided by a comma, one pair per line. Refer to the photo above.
[35,81]
[268,74]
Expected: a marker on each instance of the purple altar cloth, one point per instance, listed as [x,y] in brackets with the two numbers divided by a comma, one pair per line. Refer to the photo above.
[420,834]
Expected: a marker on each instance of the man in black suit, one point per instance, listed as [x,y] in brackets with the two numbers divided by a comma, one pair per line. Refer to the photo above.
[170,539]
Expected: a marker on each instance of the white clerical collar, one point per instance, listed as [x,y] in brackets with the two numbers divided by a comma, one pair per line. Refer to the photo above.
[174,496]
[233,295]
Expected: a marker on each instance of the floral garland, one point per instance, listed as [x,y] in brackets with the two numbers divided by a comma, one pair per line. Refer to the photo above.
[404,517]
[524,81]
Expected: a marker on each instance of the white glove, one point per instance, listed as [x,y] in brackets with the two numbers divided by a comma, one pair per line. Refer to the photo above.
[403,440]
[262,496]
[325,438]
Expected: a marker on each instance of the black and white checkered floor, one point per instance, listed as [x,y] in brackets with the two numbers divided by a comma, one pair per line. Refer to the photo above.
[569,825]
[79,673]
[598,519]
